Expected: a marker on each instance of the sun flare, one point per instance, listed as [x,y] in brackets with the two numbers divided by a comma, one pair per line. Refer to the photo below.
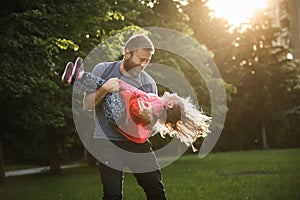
[236,11]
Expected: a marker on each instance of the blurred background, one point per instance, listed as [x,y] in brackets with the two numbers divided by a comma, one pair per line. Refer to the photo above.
[255,45]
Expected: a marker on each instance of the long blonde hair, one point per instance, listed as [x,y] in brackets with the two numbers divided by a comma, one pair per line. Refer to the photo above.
[192,125]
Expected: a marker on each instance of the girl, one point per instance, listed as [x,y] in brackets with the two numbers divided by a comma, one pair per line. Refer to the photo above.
[136,114]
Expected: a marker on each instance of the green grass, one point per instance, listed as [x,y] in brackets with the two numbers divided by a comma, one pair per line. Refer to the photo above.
[272,174]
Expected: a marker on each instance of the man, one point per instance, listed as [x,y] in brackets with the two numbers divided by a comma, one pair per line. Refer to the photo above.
[138,51]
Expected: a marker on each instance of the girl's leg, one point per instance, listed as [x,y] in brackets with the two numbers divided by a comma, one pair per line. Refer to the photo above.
[88,82]
[85,82]
[114,106]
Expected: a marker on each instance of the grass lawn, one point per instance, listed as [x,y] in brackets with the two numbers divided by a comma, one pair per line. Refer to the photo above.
[257,175]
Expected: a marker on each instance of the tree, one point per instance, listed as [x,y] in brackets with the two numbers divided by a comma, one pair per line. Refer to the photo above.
[262,74]
[37,39]
[260,81]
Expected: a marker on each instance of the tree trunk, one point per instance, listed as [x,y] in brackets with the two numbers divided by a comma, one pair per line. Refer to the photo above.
[2,172]
[264,136]
[54,162]
[90,160]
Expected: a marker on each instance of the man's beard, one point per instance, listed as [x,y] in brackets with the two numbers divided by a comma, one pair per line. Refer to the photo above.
[129,67]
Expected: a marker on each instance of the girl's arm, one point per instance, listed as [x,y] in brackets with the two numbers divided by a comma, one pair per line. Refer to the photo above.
[145,110]
[143,107]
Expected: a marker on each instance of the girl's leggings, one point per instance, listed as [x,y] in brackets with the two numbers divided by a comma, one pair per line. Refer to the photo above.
[114,107]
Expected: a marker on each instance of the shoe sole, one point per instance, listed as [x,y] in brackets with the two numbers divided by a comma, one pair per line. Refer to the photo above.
[76,69]
[78,64]
[67,75]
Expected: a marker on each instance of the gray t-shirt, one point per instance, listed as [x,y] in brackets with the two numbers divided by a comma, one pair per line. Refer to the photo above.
[107,70]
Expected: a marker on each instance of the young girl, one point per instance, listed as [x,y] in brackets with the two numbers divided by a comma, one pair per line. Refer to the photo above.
[144,112]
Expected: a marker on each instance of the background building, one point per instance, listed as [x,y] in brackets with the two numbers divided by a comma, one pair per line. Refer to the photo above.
[286,15]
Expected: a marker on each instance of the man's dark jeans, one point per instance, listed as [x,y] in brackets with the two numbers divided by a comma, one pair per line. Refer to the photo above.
[112,179]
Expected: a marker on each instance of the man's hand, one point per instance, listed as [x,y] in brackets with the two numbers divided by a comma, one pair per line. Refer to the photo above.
[112,85]
[93,100]
[145,111]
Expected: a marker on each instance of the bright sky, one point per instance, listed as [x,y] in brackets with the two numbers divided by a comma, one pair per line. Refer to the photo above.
[236,11]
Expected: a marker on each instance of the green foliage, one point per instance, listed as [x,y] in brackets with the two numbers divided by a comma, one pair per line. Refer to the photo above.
[39,37]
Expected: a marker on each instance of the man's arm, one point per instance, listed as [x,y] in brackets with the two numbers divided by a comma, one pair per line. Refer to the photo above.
[93,100]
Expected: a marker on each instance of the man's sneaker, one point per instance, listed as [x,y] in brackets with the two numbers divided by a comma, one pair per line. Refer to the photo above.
[67,75]
[78,69]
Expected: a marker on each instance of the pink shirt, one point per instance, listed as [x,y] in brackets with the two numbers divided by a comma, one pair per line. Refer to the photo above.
[135,128]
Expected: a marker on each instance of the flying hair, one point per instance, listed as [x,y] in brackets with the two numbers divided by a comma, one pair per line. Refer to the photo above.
[192,125]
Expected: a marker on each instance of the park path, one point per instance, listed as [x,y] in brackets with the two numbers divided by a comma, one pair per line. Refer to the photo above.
[36,170]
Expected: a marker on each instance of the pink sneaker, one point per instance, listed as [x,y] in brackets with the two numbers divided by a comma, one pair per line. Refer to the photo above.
[78,69]
[67,75]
